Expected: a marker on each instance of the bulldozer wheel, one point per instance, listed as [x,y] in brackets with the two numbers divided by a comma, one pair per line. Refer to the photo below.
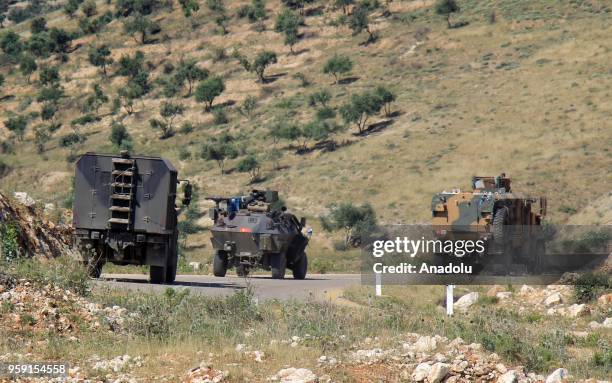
[499,231]
[279,266]
[242,270]
[300,267]
[157,274]
[219,264]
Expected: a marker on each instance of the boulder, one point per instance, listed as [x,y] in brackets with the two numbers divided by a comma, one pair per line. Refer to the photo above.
[494,290]
[502,295]
[437,372]
[605,300]
[508,377]
[607,323]
[24,199]
[466,301]
[421,372]
[425,344]
[577,310]
[295,375]
[526,290]
[553,299]
[558,376]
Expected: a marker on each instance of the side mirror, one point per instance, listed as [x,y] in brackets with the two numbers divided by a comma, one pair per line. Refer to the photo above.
[213,213]
[303,221]
[187,194]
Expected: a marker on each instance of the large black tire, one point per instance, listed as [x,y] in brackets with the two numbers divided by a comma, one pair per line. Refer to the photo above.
[219,264]
[157,274]
[171,270]
[300,267]
[279,266]
[499,229]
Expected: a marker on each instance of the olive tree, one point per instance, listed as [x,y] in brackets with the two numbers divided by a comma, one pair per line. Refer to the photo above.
[168,112]
[219,150]
[337,64]
[446,8]
[259,64]
[250,165]
[100,57]
[208,90]
[17,125]
[355,221]
[288,23]
[27,66]
[360,108]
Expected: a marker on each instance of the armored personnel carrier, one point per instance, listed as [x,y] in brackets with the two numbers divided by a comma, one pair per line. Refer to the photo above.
[251,231]
[491,212]
[124,212]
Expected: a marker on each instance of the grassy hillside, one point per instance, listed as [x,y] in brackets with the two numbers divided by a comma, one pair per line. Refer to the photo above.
[523,88]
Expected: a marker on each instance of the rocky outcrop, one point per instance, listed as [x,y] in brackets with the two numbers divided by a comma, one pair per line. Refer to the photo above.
[35,234]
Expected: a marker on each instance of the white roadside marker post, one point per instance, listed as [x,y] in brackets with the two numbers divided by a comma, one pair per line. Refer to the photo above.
[378,285]
[449,299]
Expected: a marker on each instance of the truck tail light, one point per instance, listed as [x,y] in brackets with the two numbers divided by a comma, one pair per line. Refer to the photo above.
[245,230]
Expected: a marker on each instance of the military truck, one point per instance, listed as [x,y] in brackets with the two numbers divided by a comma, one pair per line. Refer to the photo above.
[253,231]
[124,212]
[492,212]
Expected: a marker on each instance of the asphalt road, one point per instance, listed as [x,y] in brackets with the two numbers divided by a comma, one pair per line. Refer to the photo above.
[314,286]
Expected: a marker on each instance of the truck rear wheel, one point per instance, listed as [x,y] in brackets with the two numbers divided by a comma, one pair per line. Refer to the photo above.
[279,266]
[157,274]
[171,271]
[219,264]
[300,267]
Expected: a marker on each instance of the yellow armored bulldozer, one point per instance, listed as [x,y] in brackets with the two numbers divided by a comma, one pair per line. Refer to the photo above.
[490,212]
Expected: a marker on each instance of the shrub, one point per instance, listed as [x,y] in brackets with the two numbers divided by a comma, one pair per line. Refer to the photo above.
[9,241]
[208,90]
[336,65]
[120,137]
[589,285]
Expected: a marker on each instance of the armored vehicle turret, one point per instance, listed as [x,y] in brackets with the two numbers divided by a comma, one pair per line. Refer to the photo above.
[124,212]
[252,231]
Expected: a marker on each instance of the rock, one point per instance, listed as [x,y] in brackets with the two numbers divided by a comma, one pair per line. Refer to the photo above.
[594,325]
[508,377]
[501,368]
[466,301]
[605,300]
[503,295]
[577,310]
[558,376]
[553,299]
[295,375]
[494,290]
[460,366]
[24,199]
[425,344]
[607,323]
[437,372]
[239,347]
[580,334]
[195,265]
[421,372]
[526,290]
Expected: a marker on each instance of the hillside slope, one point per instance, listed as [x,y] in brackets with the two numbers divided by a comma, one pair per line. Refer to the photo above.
[527,94]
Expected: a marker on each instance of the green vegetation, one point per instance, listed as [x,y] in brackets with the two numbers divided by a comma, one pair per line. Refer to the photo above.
[355,221]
